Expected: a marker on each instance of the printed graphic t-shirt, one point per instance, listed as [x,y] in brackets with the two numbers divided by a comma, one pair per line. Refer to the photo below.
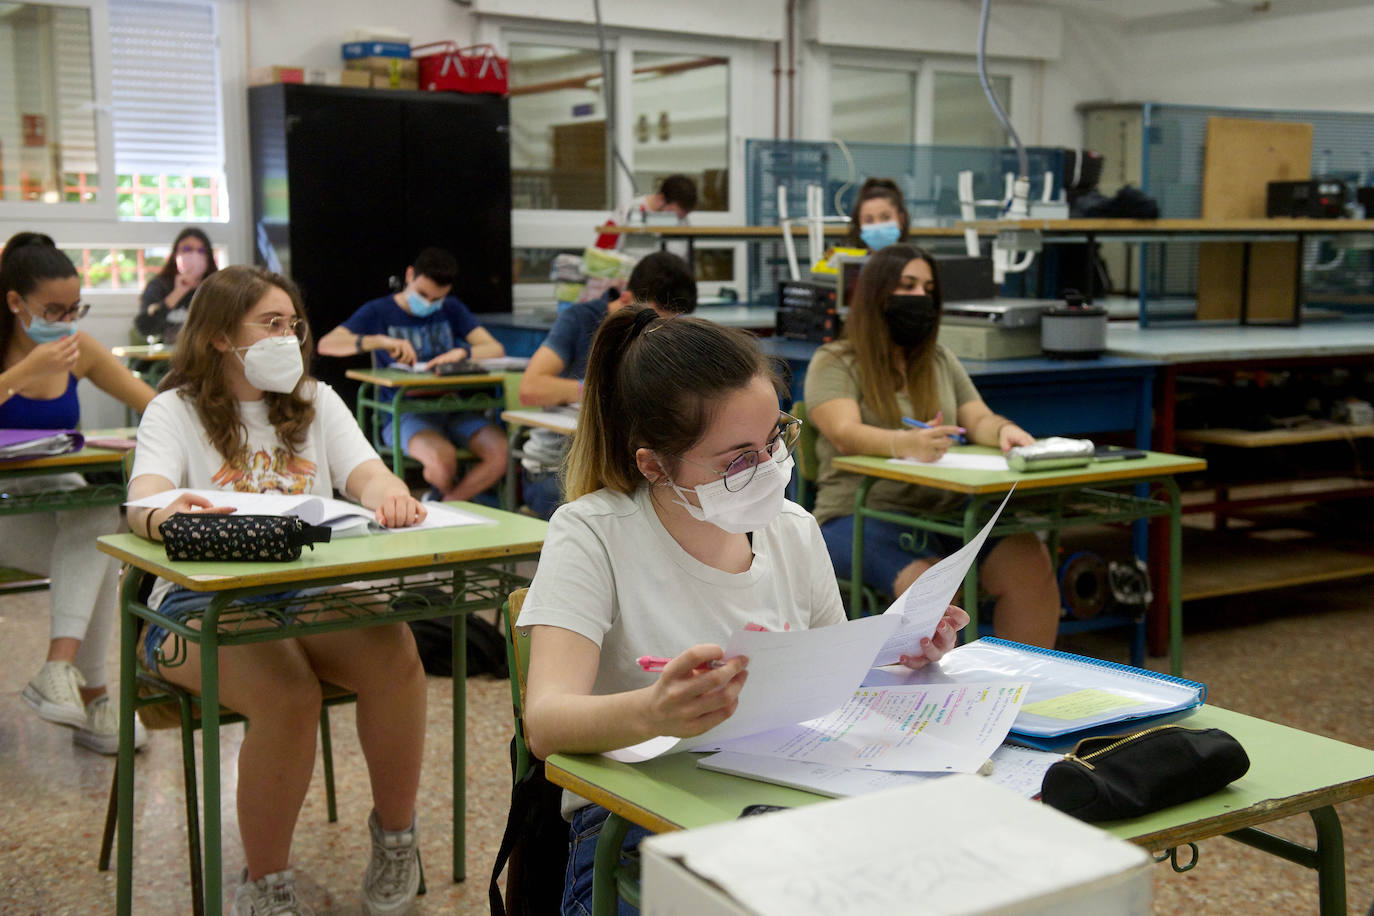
[430,336]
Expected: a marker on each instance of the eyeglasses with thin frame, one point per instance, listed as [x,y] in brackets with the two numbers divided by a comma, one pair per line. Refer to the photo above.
[280,326]
[740,471]
[64,314]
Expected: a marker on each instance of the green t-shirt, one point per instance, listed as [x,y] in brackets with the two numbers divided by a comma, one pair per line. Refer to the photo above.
[833,374]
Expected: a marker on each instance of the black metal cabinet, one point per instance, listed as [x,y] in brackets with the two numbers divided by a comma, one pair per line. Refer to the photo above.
[350,184]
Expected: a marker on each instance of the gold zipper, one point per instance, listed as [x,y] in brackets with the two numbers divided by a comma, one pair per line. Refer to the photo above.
[1111,747]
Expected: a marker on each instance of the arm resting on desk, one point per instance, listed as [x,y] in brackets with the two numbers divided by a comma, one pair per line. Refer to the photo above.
[563,716]
[372,484]
[839,420]
[542,386]
[988,428]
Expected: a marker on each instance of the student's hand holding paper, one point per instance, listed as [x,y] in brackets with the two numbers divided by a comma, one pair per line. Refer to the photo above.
[691,696]
[401,511]
[946,637]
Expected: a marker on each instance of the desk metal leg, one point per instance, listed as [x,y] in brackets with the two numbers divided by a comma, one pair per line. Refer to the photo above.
[1175,576]
[1328,859]
[209,730]
[128,638]
[605,898]
[458,647]
[971,577]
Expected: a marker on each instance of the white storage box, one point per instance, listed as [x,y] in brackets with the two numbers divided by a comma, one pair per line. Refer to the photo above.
[955,845]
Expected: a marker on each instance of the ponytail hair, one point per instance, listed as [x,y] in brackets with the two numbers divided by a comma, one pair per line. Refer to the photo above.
[653,383]
[877,189]
[29,258]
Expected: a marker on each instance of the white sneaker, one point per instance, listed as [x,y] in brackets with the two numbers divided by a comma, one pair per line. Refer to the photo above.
[270,895]
[56,695]
[393,875]
[100,733]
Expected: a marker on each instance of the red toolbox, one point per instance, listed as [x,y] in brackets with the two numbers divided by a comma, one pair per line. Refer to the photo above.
[450,68]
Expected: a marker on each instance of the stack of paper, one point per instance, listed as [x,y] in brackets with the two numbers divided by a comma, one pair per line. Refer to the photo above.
[344,519]
[38,443]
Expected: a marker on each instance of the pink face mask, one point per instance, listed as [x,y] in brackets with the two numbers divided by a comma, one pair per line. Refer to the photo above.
[192,264]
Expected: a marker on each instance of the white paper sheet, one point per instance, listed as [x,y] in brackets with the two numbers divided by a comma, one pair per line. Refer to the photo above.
[923,603]
[794,675]
[931,728]
[961,461]
[1016,768]
[345,519]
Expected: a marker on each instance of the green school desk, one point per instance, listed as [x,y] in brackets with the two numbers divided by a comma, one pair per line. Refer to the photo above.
[472,556]
[532,418]
[1098,493]
[1291,772]
[86,461]
[420,392]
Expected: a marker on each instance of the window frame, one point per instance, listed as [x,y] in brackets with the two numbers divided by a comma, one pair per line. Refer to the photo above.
[576,229]
[104,207]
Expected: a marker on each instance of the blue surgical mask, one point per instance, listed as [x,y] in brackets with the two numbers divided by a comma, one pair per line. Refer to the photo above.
[421,307]
[42,331]
[880,235]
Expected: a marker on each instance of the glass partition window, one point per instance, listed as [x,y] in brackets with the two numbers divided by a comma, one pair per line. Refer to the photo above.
[680,112]
[872,106]
[558,149]
[47,105]
[962,115]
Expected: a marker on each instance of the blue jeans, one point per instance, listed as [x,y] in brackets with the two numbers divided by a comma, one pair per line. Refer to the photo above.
[180,604]
[457,428]
[577,885]
[884,553]
[542,492]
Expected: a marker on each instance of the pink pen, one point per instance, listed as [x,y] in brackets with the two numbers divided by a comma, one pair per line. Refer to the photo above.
[653,663]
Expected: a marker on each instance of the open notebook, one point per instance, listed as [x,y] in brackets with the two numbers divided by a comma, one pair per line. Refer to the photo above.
[344,519]
[1071,696]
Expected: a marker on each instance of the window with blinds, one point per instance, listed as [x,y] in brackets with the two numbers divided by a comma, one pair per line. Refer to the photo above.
[166,107]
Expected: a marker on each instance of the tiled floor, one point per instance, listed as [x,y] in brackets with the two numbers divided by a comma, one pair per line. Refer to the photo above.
[1304,658]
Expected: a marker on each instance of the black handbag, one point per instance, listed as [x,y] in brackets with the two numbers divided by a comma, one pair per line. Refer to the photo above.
[249,538]
[1114,777]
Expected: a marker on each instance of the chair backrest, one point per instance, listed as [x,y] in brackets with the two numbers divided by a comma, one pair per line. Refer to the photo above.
[518,660]
[807,469]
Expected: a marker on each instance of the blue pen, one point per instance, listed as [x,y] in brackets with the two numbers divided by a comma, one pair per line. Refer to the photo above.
[910,422]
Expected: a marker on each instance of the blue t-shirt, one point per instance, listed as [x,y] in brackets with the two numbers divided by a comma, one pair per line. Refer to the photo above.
[572,333]
[438,333]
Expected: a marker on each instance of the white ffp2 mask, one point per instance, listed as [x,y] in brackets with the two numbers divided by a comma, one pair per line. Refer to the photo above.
[749,509]
[273,364]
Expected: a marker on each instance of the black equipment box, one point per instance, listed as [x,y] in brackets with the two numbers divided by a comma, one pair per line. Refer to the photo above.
[1319,198]
[964,278]
[806,311]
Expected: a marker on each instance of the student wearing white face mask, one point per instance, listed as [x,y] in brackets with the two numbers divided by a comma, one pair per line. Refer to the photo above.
[879,218]
[166,299]
[425,323]
[677,534]
[237,412]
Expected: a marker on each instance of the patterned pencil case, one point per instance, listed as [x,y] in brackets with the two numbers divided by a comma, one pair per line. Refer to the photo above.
[247,538]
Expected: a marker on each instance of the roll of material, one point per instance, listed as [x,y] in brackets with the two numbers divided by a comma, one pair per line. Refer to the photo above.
[1084,587]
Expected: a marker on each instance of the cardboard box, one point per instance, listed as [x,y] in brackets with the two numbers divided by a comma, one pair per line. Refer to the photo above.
[386,66]
[994,852]
[386,82]
[357,79]
[265,76]
[357,49]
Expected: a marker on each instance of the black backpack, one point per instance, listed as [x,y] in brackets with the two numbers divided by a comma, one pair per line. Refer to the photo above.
[486,648]
[535,846]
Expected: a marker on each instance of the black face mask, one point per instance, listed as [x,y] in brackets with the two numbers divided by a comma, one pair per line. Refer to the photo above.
[910,319]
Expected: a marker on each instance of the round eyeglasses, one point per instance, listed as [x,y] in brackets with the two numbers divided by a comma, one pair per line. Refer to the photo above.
[278,326]
[740,471]
[64,314]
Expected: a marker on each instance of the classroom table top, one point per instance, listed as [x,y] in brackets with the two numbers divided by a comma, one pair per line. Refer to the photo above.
[1282,226]
[151,352]
[401,378]
[367,555]
[1202,343]
[82,459]
[961,480]
[1291,772]
[564,423]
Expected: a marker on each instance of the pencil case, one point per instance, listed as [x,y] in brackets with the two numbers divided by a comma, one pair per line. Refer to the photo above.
[247,538]
[1049,454]
[1113,777]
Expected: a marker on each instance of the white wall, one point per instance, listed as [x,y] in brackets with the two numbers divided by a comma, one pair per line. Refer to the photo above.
[309,34]
[1317,60]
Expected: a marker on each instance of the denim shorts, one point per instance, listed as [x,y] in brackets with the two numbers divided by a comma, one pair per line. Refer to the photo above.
[886,551]
[457,428]
[577,886]
[181,604]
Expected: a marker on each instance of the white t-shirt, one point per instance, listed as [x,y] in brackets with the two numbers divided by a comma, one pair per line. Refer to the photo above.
[172,443]
[611,572]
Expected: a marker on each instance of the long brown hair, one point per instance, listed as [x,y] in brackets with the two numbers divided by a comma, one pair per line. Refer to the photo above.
[652,383]
[197,371]
[169,270]
[877,189]
[28,259]
[866,336]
